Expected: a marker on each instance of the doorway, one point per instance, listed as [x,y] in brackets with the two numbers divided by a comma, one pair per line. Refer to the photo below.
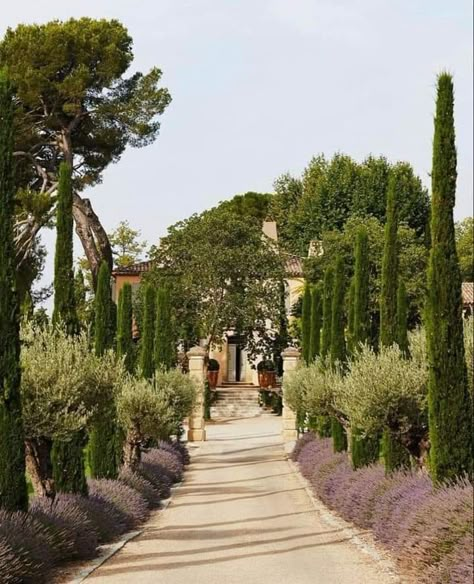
[236,359]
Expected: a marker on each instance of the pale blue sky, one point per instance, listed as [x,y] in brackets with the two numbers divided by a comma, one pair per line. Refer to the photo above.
[260,86]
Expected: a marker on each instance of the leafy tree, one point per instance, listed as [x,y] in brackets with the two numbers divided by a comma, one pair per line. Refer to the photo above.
[306,324]
[126,245]
[164,357]
[450,405]
[104,313]
[316,322]
[464,231]
[288,191]
[222,275]
[147,365]
[327,311]
[253,205]
[13,490]
[60,400]
[124,327]
[64,313]
[75,104]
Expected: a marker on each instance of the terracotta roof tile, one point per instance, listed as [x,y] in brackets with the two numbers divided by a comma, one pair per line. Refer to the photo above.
[468,292]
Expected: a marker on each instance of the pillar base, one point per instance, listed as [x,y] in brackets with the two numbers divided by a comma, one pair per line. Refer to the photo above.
[196,435]
[289,435]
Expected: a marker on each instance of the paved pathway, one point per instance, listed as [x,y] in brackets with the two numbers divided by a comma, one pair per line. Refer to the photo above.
[241,517]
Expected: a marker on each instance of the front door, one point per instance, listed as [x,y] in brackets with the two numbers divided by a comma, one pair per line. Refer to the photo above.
[235,360]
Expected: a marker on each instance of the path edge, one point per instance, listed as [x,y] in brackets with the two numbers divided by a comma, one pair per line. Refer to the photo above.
[365,543]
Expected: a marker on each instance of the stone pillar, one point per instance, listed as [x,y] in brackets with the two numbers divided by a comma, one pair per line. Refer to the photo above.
[197,430]
[291,357]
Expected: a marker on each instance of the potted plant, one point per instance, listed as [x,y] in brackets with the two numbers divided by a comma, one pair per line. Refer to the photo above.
[213,373]
[266,374]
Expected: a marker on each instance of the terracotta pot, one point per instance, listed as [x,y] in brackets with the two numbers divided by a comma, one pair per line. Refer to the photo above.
[271,376]
[212,377]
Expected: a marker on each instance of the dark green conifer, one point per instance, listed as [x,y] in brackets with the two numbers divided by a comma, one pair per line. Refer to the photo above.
[388,292]
[402,318]
[361,325]
[395,455]
[124,326]
[327,311]
[164,338]
[350,318]
[104,328]
[68,464]
[364,449]
[64,312]
[449,402]
[306,324]
[13,490]
[316,322]
[147,365]
[338,343]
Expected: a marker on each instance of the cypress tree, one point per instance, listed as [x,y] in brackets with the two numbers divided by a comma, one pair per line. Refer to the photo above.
[64,312]
[388,293]
[104,312]
[364,449]
[449,402]
[124,326]
[147,366]
[395,455]
[13,490]
[164,339]
[361,324]
[316,322]
[402,318]
[306,324]
[350,318]
[327,311]
[68,464]
[338,344]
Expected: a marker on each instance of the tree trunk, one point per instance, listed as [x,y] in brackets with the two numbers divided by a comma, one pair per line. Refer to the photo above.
[132,450]
[93,236]
[39,467]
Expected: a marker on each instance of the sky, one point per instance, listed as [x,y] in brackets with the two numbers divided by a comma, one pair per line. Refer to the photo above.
[260,86]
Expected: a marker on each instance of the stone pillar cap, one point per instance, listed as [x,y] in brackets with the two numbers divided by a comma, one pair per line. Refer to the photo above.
[196,352]
[291,352]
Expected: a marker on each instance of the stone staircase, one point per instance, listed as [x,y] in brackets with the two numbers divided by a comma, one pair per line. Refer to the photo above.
[236,400]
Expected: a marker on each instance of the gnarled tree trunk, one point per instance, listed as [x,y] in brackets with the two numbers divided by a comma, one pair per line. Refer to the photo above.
[39,467]
[132,453]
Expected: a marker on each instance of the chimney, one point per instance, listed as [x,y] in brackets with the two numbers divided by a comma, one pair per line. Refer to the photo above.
[269,229]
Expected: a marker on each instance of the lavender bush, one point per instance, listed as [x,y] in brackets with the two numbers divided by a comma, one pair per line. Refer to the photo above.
[146,489]
[72,533]
[26,548]
[176,447]
[428,529]
[154,474]
[127,500]
[170,463]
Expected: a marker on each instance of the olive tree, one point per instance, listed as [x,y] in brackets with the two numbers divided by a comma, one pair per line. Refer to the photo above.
[63,387]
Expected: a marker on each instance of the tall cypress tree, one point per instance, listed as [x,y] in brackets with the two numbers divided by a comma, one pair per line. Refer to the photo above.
[147,365]
[449,403]
[164,339]
[388,292]
[13,490]
[124,326]
[316,321]
[327,311]
[67,457]
[306,324]
[402,318]
[350,318]
[395,455]
[364,449]
[338,344]
[64,312]
[104,312]
[361,325]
